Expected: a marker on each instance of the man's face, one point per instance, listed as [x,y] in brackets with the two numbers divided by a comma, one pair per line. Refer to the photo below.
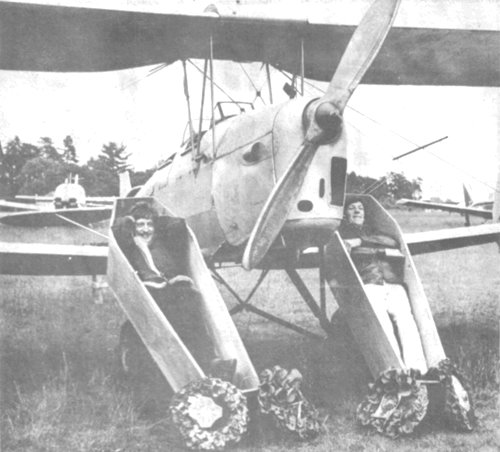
[355,213]
[144,228]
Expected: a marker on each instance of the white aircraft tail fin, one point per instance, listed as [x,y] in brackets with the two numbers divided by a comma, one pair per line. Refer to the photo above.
[467,196]
[125,184]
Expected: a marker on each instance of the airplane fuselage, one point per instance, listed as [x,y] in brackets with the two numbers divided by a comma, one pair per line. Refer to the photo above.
[222,194]
[69,195]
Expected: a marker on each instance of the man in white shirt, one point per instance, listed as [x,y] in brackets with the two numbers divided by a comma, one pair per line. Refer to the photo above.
[383,283]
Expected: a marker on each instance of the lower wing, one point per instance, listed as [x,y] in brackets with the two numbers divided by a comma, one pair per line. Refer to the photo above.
[486,214]
[59,260]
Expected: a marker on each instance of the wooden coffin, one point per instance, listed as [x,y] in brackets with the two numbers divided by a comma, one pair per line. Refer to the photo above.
[347,288]
[167,349]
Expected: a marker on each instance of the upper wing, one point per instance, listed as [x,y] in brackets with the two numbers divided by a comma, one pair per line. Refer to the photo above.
[69,39]
[49,259]
[486,214]
[447,239]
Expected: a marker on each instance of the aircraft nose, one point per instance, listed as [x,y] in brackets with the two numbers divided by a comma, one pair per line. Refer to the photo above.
[322,121]
[329,119]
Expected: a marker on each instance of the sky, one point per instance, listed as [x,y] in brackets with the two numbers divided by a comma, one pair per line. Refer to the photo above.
[147,113]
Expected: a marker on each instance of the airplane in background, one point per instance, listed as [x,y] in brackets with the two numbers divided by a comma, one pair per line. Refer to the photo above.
[68,195]
[469,202]
[481,209]
[67,206]
[264,189]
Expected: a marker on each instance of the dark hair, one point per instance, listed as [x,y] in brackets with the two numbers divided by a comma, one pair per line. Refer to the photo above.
[142,210]
[352,200]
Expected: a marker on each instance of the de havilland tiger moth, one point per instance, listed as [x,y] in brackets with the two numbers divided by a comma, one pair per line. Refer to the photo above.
[264,189]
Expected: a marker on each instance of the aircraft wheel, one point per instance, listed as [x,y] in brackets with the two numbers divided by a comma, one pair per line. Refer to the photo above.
[280,396]
[131,355]
[458,409]
[210,414]
[396,403]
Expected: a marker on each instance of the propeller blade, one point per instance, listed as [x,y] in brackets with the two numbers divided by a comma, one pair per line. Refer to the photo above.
[278,206]
[324,118]
[362,49]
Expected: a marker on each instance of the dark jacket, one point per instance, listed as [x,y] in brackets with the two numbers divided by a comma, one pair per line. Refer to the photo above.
[370,259]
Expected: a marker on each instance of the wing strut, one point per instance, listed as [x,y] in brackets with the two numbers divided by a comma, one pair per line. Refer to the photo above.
[190,116]
[268,74]
[202,105]
[212,91]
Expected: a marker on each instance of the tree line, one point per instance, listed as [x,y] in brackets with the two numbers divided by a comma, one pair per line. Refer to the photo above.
[387,189]
[29,169]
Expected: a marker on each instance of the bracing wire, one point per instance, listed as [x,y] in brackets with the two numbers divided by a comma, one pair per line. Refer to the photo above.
[486,184]
[248,76]
[93,231]
[258,92]
[149,74]
[215,84]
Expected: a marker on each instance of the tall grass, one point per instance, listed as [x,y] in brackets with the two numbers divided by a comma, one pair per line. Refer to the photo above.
[67,415]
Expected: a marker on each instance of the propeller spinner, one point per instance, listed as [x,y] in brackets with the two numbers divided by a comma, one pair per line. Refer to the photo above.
[323,123]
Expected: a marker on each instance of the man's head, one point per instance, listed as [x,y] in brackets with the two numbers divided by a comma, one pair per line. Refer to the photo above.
[144,216]
[355,213]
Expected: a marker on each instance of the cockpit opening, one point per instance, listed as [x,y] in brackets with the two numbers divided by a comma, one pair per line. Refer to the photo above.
[223,110]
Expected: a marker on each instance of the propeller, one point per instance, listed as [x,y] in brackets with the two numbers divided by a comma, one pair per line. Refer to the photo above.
[324,123]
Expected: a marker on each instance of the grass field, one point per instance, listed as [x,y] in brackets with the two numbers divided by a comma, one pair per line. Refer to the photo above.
[60,390]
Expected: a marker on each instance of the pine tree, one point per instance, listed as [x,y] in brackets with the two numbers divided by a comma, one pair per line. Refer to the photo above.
[69,153]
[48,151]
[101,174]
[13,159]
[114,157]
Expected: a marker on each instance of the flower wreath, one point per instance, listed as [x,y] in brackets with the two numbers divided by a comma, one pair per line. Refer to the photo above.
[210,413]
[280,396]
[395,404]
[458,409]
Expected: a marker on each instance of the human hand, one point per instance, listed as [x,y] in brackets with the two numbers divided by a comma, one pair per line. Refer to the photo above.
[352,243]
[181,279]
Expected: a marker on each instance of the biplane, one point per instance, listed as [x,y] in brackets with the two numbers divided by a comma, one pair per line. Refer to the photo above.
[264,189]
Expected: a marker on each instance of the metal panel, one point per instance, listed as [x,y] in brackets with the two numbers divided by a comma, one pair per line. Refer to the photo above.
[240,188]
